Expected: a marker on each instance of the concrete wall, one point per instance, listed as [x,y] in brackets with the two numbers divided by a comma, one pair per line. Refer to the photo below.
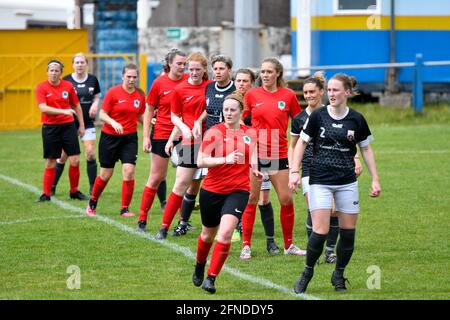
[207,13]
[154,41]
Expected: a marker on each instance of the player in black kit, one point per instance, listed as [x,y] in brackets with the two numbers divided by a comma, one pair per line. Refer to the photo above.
[335,130]
[313,90]
[88,91]
[215,95]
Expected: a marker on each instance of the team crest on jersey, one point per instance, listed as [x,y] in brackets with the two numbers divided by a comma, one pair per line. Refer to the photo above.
[91,90]
[65,94]
[281,105]
[247,140]
[136,103]
[350,135]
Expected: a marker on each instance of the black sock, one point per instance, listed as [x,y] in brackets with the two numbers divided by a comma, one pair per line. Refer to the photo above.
[91,172]
[162,192]
[59,171]
[308,224]
[332,234]
[315,248]
[187,207]
[267,220]
[344,249]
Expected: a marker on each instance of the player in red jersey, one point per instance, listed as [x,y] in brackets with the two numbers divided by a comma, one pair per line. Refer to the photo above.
[245,80]
[188,103]
[56,98]
[227,150]
[159,98]
[123,106]
[270,107]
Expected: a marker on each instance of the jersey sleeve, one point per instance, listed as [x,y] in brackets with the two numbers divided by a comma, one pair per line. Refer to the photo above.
[363,136]
[310,127]
[40,95]
[97,89]
[247,114]
[175,105]
[108,102]
[153,96]
[294,107]
[296,126]
[142,106]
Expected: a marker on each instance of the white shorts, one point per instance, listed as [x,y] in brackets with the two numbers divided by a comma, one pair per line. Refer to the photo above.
[174,156]
[198,174]
[305,185]
[346,197]
[89,135]
[266,184]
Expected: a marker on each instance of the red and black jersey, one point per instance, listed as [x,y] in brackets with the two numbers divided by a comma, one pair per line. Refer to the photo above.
[270,112]
[219,142]
[160,97]
[124,108]
[61,96]
[188,102]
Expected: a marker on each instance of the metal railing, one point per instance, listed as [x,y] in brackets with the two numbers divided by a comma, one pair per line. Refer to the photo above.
[418,65]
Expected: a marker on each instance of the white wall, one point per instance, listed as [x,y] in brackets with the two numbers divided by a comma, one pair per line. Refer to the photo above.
[14,14]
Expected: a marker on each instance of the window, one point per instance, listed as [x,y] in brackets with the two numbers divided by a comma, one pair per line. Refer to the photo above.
[355,7]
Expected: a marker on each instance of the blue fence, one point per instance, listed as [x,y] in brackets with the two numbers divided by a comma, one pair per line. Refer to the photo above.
[418,71]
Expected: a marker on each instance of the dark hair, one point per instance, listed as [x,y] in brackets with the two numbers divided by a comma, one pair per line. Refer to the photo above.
[278,68]
[247,71]
[349,82]
[236,95]
[54,61]
[168,59]
[318,79]
[222,58]
[132,66]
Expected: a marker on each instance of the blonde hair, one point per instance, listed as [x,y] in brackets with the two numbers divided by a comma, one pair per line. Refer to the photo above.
[79,54]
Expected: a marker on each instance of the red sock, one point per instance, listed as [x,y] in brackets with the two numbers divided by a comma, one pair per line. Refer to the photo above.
[287,223]
[47,181]
[172,206]
[202,250]
[97,190]
[248,220]
[148,195]
[127,192]
[219,255]
[74,178]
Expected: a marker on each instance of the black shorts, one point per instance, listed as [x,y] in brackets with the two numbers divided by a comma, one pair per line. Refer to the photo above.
[159,145]
[214,205]
[112,148]
[273,164]
[187,156]
[58,137]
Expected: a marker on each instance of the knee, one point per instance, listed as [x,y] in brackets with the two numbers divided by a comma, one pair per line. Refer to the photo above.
[286,200]
[253,198]
[90,156]
[207,237]
[224,236]
[74,161]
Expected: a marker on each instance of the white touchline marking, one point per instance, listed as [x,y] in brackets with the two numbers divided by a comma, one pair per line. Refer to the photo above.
[183,250]
[4,223]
